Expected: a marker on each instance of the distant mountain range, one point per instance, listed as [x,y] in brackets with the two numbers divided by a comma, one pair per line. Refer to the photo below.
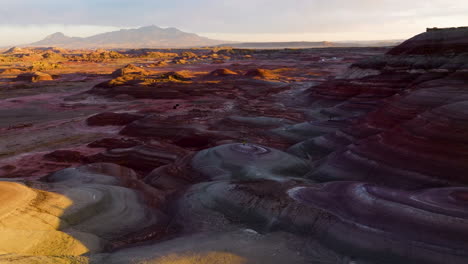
[156,37]
[143,37]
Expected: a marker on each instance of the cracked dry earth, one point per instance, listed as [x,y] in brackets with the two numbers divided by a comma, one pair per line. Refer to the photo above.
[354,155]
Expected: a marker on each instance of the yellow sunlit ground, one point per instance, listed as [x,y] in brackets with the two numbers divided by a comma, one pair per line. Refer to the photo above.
[29,222]
[200,258]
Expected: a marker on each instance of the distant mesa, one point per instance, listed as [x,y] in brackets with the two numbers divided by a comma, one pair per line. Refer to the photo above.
[276,45]
[311,44]
[143,37]
[440,29]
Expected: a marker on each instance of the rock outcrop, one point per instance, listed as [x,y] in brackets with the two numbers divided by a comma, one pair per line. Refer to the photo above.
[34,77]
[222,73]
[262,74]
[129,69]
[12,71]
[435,42]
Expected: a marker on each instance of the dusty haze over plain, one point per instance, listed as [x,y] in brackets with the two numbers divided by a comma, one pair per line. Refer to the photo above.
[26,21]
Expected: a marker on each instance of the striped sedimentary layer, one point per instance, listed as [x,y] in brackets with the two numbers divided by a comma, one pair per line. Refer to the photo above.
[142,158]
[366,221]
[390,225]
[76,211]
[246,161]
[413,137]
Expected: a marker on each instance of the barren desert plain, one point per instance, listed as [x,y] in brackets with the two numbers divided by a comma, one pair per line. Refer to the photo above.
[229,156]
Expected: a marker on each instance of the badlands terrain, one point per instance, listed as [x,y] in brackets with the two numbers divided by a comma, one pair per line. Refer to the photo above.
[221,155]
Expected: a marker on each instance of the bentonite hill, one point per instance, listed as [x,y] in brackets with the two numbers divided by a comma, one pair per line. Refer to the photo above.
[220,155]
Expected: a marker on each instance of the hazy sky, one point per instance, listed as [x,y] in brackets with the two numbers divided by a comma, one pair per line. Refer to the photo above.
[25,21]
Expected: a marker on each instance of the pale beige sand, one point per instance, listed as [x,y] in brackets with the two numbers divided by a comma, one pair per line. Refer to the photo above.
[22,259]
[29,222]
